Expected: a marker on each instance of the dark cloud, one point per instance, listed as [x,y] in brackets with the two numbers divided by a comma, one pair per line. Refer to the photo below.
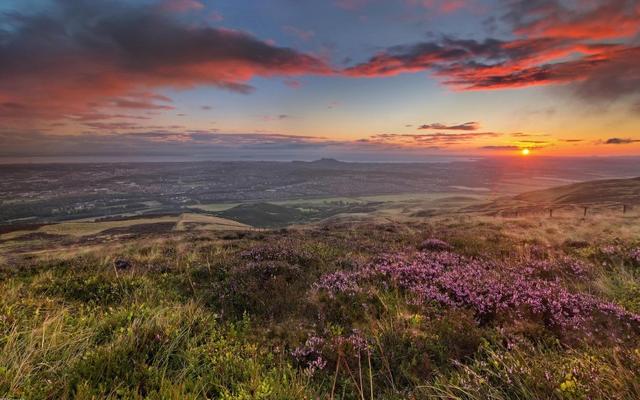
[96,116]
[621,141]
[512,147]
[533,142]
[111,126]
[141,101]
[199,144]
[450,55]
[600,19]
[279,117]
[429,139]
[528,135]
[618,76]
[467,126]
[83,55]
[178,6]
[161,141]
[508,147]
[591,46]
[496,64]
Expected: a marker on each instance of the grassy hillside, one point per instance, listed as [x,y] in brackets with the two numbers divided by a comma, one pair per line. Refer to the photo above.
[599,197]
[454,307]
[623,191]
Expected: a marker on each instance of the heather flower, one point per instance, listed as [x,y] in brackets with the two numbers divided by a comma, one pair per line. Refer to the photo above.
[609,249]
[539,268]
[487,288]
[355,341]
[634,254]
[537,251]
[338,282]
[315,365]
[551,269]
[309,356]
[576,267]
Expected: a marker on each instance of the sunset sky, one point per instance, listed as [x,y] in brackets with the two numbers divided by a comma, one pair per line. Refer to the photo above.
[304,79]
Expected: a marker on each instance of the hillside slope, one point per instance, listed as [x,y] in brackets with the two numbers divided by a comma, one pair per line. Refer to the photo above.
[598,195]
[599,191]
[454,307]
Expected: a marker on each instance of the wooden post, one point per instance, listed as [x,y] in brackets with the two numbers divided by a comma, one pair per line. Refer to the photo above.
[585,211]
[551,213]
[624,209]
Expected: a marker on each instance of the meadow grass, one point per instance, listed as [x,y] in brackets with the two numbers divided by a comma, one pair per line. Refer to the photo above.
[296,314]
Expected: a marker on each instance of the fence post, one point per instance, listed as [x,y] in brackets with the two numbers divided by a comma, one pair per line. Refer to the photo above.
[585,211]
[624,209]
[550,212]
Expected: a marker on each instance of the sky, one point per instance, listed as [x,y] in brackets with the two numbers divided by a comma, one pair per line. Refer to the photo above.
[305,79]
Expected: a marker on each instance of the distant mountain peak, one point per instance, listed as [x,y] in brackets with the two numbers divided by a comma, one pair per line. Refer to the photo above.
[326,161]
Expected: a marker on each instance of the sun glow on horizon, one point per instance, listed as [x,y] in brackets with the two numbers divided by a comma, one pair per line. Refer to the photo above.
[525,152]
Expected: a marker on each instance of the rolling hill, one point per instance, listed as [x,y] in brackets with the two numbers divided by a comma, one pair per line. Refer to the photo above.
[624,191]
[597,194]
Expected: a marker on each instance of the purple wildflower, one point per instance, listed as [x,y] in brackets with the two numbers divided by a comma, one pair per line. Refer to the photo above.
[355,341]
[634,254]
[309,356]
[487,288]
[576,267]
[338,282]
[609,249]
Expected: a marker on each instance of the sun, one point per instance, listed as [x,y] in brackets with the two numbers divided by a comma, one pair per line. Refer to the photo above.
[525,152]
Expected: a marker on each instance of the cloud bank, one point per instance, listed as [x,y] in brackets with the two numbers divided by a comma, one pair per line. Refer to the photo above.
[592,45]
[83,55]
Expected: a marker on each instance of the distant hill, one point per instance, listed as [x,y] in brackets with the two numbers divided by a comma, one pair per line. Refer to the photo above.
[626,191]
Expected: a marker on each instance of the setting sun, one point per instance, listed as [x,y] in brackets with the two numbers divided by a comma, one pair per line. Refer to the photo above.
[525,152]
